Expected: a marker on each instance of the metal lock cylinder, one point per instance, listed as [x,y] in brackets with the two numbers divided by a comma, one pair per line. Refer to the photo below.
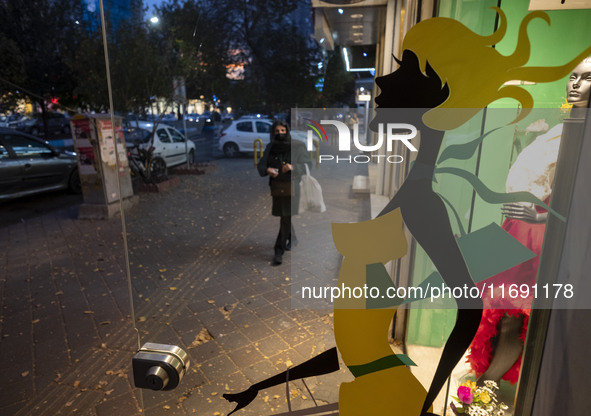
[159,366]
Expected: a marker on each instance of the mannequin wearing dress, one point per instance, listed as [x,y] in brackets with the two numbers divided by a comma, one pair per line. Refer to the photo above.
[497,347]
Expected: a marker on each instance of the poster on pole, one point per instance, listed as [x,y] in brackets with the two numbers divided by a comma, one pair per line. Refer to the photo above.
[106,144]
[83,146]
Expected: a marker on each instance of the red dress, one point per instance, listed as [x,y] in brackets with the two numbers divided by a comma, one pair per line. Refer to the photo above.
[531,236]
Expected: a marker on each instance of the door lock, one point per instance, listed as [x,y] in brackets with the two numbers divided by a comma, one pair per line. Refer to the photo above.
[159,366]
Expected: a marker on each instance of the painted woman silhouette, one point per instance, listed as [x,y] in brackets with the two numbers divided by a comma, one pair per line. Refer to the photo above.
[441,66]
[447,74]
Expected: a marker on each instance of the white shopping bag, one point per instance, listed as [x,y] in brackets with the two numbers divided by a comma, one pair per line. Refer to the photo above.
[310,194]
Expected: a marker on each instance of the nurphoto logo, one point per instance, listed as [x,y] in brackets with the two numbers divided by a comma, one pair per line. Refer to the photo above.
[387,133]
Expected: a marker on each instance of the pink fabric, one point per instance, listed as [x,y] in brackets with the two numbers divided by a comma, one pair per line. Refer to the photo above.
[496,306]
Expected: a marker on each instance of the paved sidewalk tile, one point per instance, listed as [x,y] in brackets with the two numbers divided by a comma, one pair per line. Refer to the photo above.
[200,265]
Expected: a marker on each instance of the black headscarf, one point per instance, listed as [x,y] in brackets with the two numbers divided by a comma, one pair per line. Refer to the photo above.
[280,143]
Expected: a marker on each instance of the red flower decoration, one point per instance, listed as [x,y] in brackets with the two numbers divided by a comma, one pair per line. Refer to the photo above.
[465,394]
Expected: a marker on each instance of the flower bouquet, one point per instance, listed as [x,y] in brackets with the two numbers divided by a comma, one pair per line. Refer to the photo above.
[478,401]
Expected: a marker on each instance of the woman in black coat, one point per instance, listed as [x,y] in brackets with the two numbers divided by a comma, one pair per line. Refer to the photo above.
[283,161]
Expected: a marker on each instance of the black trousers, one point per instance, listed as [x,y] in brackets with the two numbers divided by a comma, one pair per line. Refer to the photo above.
[286,234]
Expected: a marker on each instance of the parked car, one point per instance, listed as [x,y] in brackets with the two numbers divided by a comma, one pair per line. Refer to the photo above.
[12,120]
[168,118]
[30,165]
[131,119]
[169,143]
[192,117]
[240,136]
[254,116]
[209,118]
[57,123]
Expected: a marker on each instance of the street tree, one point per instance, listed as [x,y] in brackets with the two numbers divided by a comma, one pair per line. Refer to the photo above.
[277,55]
[39,35]
[11,73]
[199,33]
[339,84]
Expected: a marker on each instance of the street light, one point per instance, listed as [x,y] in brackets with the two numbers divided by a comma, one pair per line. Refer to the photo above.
[154,19]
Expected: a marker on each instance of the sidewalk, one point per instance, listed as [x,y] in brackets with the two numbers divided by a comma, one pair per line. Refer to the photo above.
[201,276]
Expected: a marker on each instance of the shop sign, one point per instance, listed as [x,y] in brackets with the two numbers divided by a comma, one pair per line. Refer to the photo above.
[559,4]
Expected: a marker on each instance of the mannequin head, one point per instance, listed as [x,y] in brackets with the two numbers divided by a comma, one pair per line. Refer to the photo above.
[579,84]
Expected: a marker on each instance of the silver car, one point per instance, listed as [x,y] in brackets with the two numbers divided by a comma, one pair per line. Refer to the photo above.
[29,165]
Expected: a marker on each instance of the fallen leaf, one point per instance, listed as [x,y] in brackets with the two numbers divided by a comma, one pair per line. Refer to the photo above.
[201,338]
[172,288]
[35,321]
[24,373]
[88,312]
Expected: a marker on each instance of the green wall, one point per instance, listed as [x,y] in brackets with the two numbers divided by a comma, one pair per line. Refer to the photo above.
[553,45]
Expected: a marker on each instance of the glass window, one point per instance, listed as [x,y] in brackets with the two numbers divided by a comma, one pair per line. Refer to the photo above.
[176,136]
[263,127]
[4,152]
[132,135]
[244,126]
[24,147]
[163,136]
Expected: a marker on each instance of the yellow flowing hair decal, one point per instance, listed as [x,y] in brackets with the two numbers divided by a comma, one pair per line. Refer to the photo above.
[474,70]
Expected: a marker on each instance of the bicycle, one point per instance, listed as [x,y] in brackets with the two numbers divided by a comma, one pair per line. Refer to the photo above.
[143,164]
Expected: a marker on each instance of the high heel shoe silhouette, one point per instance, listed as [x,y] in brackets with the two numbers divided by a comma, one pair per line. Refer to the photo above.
[242,399]
[324,363]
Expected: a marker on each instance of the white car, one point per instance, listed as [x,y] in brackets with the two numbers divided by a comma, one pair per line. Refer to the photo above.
[239,137]
[169,143]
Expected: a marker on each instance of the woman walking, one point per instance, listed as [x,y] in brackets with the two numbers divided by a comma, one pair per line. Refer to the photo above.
[283,161]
